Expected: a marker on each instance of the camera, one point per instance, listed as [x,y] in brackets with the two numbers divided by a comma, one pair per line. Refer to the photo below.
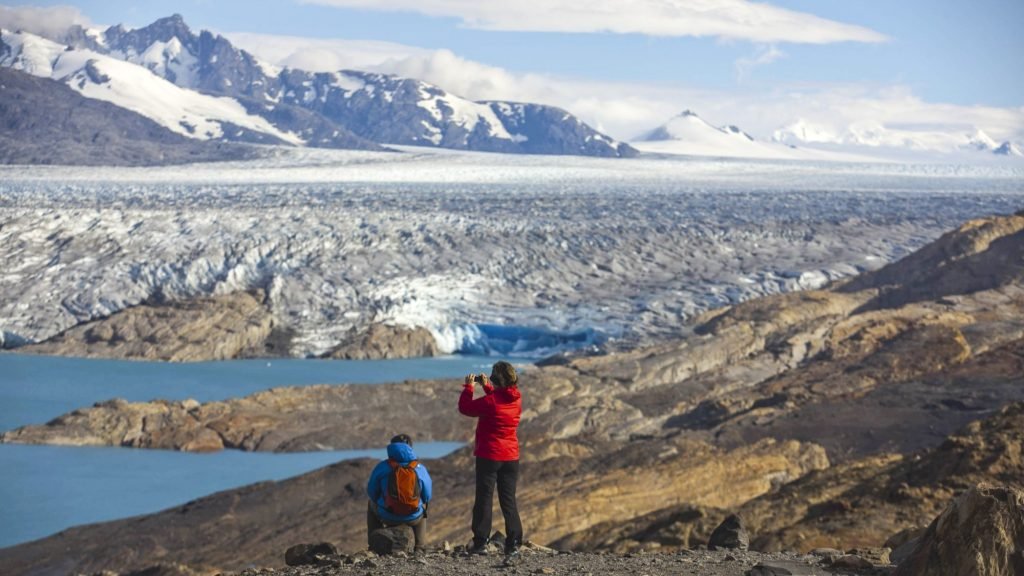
[479,378]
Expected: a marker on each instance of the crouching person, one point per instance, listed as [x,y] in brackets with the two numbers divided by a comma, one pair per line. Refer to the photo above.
[399,491]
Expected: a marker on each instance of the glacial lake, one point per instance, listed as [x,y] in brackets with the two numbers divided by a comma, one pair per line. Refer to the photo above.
[45,489]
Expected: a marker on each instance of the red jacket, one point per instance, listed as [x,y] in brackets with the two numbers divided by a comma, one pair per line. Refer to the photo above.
[499,410]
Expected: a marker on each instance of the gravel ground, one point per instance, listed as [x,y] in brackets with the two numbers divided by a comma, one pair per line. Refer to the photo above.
[689,562]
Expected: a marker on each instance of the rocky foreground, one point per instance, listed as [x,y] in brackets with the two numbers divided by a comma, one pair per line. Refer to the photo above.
[841,418]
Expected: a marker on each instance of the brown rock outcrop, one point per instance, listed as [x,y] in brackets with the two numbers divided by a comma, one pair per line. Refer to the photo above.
[386,341]
[854,504]
[981,533]
[983,254]
[214,328]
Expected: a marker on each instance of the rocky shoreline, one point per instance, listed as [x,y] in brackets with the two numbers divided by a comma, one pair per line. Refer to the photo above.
[231,326]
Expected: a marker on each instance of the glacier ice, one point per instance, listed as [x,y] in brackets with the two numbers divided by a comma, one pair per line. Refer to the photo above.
[493,253]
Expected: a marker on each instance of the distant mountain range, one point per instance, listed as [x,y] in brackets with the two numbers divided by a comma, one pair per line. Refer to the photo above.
[878,136]
[689,134]
[200,86]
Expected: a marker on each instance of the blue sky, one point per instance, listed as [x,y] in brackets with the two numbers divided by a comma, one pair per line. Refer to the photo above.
[950,51]
[944,53]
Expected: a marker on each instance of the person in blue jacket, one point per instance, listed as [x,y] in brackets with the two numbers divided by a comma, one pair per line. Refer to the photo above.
[381,511]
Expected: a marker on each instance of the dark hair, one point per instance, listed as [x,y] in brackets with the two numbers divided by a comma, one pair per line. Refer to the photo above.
[403,439]
[504,374]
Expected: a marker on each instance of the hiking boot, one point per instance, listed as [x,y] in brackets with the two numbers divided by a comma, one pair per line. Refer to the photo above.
[476,549]
[512,557]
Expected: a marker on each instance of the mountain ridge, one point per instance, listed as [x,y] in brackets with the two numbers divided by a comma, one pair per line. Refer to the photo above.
[343,109]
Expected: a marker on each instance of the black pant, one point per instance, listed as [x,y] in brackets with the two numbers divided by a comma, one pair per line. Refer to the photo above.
[505,474]
[419,525]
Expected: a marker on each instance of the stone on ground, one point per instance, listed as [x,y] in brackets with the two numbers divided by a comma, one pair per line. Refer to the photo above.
[306,554]
[730,534]
[386,541]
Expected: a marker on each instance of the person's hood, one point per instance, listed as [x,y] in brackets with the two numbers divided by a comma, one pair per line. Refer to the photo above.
[401,452]
[512,392]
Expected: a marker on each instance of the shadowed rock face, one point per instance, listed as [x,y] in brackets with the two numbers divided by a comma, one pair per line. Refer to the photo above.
[46,122]
[216,328]
[795,411]
[981,533]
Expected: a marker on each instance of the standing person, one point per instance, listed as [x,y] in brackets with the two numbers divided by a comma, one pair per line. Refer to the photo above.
[399,490]
[497,453]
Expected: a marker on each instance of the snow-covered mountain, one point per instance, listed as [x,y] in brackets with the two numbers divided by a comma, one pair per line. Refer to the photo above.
[883,138]
[101,77]
[344,109]
[690,135]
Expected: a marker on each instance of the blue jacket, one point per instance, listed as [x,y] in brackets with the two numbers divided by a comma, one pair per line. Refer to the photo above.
[378,484]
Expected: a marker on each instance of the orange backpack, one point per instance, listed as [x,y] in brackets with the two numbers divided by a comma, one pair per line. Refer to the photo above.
[402,497]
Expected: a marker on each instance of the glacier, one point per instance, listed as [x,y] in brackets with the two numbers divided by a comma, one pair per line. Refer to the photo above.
[494,253]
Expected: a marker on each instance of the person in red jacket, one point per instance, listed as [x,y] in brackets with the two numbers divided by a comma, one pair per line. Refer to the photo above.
[497,453]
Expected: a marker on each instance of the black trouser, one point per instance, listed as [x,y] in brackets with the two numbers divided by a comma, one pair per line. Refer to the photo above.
[374,522]
[505,474]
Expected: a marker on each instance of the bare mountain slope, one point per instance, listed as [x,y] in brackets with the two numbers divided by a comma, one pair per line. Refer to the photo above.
[45,122]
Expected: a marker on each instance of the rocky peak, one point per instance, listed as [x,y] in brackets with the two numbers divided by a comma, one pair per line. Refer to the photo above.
[733,129]
[137,41]
[1008,149]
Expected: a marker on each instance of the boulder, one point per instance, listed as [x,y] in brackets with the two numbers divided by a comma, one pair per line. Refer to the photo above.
[981,533]
[730,534]
[308,554]
[392,540]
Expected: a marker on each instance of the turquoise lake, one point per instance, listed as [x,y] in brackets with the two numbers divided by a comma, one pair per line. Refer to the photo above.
[45,489]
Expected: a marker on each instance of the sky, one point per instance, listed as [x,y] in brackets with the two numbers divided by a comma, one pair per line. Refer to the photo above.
[626,66]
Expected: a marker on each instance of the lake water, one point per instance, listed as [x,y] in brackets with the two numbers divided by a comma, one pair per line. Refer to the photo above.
[45,489]
[35,389]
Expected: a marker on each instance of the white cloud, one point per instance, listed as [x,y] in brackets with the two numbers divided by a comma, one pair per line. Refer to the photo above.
[49,22]
[625,110]
[320,54]
[733,19]
[763,55]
